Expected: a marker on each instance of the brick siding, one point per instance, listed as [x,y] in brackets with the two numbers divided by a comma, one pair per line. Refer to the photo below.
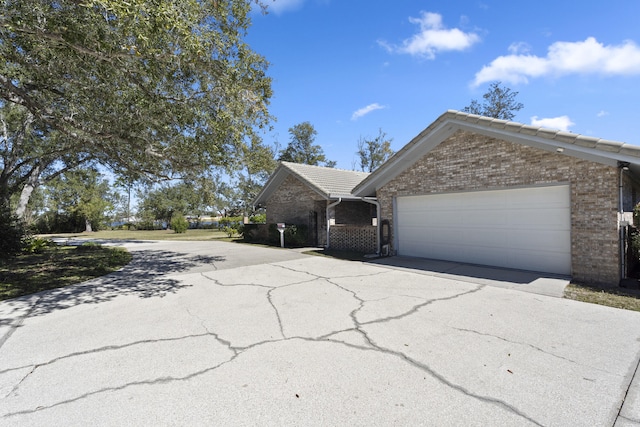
[293,201]
[355,238]
[468,162]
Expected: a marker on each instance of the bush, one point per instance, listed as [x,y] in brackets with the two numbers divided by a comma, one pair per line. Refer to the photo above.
[89,246]
[258,219]
[294,235]
[53,222]
[13,233]
[179,223]
[229,221]
[36,245]
[252,233]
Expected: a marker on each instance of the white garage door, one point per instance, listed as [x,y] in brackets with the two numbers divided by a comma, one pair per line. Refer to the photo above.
[526,228]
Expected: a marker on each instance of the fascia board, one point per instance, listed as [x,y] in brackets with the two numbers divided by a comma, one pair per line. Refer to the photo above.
[585,151]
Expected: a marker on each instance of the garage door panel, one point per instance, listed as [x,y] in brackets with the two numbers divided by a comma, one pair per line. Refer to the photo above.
[555,218]
[527,228]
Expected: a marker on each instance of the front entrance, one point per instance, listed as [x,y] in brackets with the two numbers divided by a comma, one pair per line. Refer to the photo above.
[312,239]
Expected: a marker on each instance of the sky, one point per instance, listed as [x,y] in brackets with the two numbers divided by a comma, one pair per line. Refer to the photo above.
[354,67]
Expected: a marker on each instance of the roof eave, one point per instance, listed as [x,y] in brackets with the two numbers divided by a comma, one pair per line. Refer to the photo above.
[575,145]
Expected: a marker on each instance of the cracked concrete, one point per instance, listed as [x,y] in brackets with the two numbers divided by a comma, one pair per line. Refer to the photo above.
[255,336]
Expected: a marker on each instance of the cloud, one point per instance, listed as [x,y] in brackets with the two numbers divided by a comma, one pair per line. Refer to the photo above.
[432,38]
[560,123]
[519,48]
[281,6]
[602,113]
[583,57]
[366,110]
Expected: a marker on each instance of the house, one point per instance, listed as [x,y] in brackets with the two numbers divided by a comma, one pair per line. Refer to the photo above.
[486,191]
[320,200]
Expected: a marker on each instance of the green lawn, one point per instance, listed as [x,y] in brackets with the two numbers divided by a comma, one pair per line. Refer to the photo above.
[56,267]
[615,297]
[191,234]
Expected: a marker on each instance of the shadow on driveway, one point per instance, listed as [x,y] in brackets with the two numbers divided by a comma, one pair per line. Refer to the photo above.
[529,281]
[145,277]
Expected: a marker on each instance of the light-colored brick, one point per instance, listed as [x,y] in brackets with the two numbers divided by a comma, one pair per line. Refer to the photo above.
[468,161]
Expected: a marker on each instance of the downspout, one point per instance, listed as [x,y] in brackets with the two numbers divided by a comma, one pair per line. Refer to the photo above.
[329,220]
[623,256]
[378,221]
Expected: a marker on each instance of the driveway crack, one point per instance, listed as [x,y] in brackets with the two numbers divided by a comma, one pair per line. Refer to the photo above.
[417,307]
[213,334]
[425,368]
[541,350]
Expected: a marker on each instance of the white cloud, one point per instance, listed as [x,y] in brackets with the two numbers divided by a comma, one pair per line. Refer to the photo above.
[432,38]
[583,57]
[366,110]
[602,113]
[281,6]
[519,48]
[560,123]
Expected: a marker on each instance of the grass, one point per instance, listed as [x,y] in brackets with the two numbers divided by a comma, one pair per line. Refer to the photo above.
[626,299]
[191,234]
[56,267]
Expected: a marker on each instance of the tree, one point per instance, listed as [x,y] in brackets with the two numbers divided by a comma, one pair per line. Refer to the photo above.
[193,197]
[149,89]
[260,164]
[499,102]
[83,194]
[374,152]
[301,148]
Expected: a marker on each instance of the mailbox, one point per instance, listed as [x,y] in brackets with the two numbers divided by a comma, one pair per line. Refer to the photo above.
[281,230]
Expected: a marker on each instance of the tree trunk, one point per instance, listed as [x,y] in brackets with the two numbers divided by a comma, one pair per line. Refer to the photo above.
[27,190]
[88,228]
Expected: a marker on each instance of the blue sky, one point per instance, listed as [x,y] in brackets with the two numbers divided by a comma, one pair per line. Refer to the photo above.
[351,67]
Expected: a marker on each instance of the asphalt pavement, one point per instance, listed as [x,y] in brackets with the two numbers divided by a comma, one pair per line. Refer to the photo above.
[214,333]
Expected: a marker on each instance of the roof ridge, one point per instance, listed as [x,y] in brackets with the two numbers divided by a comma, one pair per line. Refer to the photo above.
[542,131]
[321,167]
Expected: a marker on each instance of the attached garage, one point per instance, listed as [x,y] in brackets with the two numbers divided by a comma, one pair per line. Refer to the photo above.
[523,228]
[487,191]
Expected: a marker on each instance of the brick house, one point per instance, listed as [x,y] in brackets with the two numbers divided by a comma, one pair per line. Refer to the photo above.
[320,199]
[486,191]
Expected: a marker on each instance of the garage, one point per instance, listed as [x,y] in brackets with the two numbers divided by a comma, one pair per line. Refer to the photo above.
[524,228]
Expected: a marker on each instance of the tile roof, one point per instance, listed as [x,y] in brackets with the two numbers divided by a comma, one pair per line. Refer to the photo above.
[571,144]
[330,183]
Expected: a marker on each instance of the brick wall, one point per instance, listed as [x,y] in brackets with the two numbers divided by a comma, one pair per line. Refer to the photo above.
[354,212]
[467,162]
[292,202]
[355,238]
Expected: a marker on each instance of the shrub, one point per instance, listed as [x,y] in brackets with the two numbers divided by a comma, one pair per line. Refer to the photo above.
[258,219]
[36,245]
[179,223]
[294,235]
[255,233]
[229,221]
[89,246]
[13,233]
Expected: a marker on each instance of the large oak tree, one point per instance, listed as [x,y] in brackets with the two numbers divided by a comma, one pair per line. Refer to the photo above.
[147,88]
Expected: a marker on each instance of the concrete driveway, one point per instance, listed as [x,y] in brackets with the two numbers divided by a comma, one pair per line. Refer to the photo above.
[212,333]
